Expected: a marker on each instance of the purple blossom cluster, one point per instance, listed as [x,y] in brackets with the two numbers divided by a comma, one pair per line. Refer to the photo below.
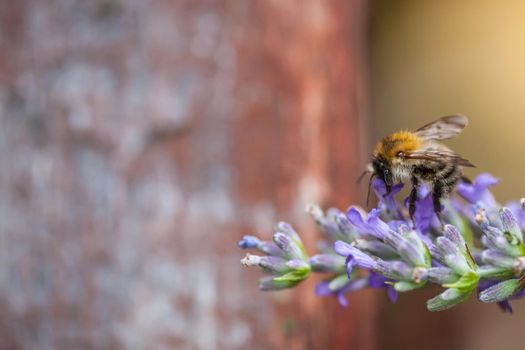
[477,248]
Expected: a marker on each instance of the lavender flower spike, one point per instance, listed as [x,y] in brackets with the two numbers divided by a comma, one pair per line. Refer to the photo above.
[381,249]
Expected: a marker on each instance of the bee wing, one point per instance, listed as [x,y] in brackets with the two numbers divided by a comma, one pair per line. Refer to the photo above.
[443,128]
[439,156]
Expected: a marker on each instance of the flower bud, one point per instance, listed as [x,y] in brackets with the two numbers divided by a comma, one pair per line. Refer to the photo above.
[497,258]
[453,234]
[248,242]
[327,263]
[287,229]
[376,248]
[452,256]
[354,256]
[291,249]
[498,240]
[298,265]
[448,299]
[271,283]
[410,253]
[500,291]
[510,225]
[325,222]
[397,270]
[346,228]
[442,275]
[271,264]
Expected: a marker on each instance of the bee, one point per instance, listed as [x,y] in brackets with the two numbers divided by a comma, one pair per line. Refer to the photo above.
[418,156]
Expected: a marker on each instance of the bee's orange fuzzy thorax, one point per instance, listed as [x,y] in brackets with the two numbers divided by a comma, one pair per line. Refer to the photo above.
[402,141]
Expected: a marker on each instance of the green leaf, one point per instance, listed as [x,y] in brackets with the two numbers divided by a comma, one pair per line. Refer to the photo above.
[465,282]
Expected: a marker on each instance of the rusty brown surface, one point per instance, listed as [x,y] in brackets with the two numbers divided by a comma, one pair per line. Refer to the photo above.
[140,140]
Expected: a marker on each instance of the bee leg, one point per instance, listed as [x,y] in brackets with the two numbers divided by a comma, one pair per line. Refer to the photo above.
[437,193]
[412,201]
[388,189]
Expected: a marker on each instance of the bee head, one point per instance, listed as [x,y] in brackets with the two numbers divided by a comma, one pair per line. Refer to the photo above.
[383,171]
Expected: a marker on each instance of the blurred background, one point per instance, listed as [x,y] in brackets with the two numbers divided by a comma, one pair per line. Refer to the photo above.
[139,140]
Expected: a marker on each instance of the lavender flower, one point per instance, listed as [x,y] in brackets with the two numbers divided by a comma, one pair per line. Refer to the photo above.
[382,249]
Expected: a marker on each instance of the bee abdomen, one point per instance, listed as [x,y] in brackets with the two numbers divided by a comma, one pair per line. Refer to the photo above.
[442,175]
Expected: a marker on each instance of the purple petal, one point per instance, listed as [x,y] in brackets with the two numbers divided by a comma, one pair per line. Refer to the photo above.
[505,306]
[343,248]
[322,290]
[380,189]
[342,299]
[485,180]
[387,203]
[350,263]
[392,294]
[358,257]
[376,280]
[478,191]
[424,216]
[372,225]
